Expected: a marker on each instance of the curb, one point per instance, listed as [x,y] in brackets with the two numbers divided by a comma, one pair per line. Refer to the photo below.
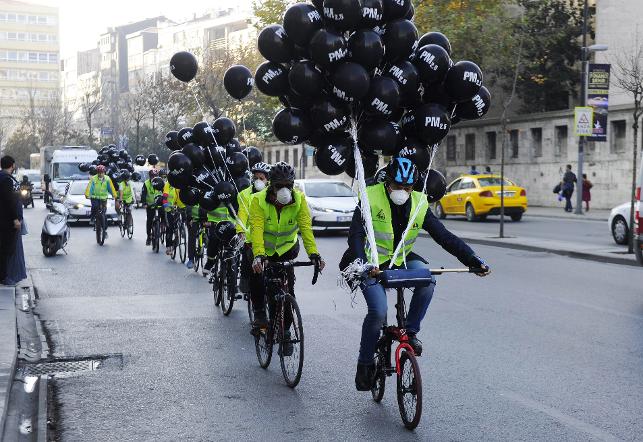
[567,217]
[8,349]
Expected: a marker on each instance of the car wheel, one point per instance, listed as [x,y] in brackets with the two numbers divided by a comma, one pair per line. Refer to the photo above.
[439,211]
[470,213]
[620,232]
[516,217]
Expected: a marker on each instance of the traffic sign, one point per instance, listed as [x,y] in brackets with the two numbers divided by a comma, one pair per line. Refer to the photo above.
[583,121]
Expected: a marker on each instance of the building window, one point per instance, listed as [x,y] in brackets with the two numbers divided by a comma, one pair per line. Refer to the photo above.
[618,136]
[561,140]
[470,147]
[287,155]
[270,156]
[513,142]
[451,148]
[491,145]
[295,157]
[537,141]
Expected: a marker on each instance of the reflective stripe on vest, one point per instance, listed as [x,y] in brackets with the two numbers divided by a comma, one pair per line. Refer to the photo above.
[383,224]
[279,232]
[219,214]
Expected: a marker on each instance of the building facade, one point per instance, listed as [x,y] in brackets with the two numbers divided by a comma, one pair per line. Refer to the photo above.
[29,58]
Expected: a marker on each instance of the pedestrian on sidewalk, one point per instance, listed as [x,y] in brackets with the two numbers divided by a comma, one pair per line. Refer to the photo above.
[487,170]
[567,187]
[587,195]
[10,219]
[473,171]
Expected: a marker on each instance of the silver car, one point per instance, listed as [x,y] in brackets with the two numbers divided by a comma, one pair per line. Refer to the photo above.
[331,203]
[80,208]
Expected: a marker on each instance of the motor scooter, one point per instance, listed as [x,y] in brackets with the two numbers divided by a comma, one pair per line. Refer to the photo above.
[55,231]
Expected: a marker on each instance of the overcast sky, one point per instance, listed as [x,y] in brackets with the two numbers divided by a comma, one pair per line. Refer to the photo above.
[82,21]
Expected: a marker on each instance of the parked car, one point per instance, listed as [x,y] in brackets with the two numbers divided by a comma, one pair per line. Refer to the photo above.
[331,203]
[36,181]
[618,223]
[80,208]
[477,196]
[137,186]
[638,220]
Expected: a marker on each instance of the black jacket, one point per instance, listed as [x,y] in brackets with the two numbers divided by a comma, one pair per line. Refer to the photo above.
[400,216]
[8,201]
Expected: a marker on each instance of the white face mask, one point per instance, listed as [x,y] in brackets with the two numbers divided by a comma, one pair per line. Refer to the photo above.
[259,184]
[284,196]
[399,197]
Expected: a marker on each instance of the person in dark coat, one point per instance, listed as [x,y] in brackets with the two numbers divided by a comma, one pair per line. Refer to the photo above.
[587,193]
[567,187]
[10,218]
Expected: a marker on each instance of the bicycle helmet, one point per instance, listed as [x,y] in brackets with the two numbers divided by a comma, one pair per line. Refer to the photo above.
[163,172]
[100,169]
[401,171]
[125,175]
[158,184]
[153,173]
[261,167]
[282,173]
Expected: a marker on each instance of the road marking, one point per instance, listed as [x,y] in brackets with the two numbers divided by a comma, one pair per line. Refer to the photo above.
[559,416]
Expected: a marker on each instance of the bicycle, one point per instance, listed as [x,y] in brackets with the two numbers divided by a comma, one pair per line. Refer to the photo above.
[156,234]
[200,255]
[179,235]
[224,278]
[282,308]
[406,368]
[100,223]
[125,221]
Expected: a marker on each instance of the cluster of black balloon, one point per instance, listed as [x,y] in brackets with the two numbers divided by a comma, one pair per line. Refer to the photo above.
[356,71]
[118,163]
[208,164]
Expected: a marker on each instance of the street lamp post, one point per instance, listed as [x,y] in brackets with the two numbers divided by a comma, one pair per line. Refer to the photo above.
[585,51]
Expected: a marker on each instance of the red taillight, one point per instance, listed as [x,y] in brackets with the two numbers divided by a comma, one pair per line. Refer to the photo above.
[523,192]
[486,193]
[638,194]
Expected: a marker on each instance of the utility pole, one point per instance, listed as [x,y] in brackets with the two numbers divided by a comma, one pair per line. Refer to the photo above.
[583,102]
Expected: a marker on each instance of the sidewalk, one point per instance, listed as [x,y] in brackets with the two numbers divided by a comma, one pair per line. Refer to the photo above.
[558,212]
[8,350]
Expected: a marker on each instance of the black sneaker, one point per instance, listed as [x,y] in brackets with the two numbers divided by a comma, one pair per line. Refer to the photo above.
[416,344]
[365,377]
[260,319]
[148,241]
[287,347]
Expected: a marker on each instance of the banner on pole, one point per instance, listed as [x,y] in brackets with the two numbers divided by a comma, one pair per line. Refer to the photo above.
[598,83]
[583,121]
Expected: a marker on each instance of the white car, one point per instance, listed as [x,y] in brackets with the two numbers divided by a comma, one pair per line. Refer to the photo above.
[80,208]
[137,186]
[331,203]
[618,223]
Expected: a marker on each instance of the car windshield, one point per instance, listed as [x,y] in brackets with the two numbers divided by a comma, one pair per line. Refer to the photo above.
[78,188]
[68,171]
[34,177]
[322,190]
[493,181]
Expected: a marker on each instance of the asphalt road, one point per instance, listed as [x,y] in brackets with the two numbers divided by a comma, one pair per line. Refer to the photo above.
[546,348]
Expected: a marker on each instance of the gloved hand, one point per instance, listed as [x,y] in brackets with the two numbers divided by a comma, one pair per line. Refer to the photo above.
[258,264]
[478,263]
[318,261]
[241,237]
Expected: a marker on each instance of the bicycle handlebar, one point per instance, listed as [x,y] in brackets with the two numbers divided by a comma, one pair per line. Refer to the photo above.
[442,270]
[290,264]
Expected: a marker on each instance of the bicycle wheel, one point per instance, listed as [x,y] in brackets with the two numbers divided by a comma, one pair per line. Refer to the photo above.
[130,225]
[175,240]
[162,230]
[264,340]
[122,223]
[292,364]
[218,281]
[204,252]
[227,289]
[251,314]
[182,246]
[380,375]
[100,229]
[409,390]
[156,232]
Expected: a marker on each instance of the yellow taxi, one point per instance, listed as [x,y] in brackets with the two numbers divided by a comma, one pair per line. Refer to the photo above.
[477,196]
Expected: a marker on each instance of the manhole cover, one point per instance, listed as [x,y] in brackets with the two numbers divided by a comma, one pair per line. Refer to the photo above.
[63,368]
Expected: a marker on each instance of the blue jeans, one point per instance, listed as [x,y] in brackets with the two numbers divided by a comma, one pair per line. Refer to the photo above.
[375,296]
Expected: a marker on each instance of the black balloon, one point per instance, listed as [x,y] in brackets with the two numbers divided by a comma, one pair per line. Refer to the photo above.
[330,115]
[319,138]
[407,78]
[242,182]
[433,63]
[203,179]
[224,130]
[432,123]
[238,81]
[463,80]
[383,97]
[293,99]
[366,48]
[218,155]
[185,136]
[272,79]
[436,38]
[171,140]
[350,82]
[202,134]
[253,154]
[83,167]
[344,15]
[475,108]
[369,163]
[92,170]
[189,196]
[396,9]
[140,160]
[400,39]
[417,152]
[158,183]
[332,157]
[436,185]
[306,79]
[408,123]
[274,44]
[195,154]
[436,93]
[152,159]
[372,13]
[301,21]
[225,192]
[237,164]
[291,126]
[184,66]
[327,47]
[136,176]
[233,146]
[411,13]
[208,201]
[380,136]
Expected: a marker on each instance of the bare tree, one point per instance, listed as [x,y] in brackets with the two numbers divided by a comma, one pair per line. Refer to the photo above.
[90,102]
[628,76]
[155,101]
[178,103]
[48,121]
[136,108]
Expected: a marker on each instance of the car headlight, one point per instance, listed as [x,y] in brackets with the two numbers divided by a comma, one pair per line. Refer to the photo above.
[79,206]
[320,209]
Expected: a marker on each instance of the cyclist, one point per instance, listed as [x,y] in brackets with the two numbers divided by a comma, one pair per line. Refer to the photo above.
[260,175]
[171,200]
[391,205]
[221,213]
[195,216]
[97,190]
[148,196]
[277,214]
[125,192]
